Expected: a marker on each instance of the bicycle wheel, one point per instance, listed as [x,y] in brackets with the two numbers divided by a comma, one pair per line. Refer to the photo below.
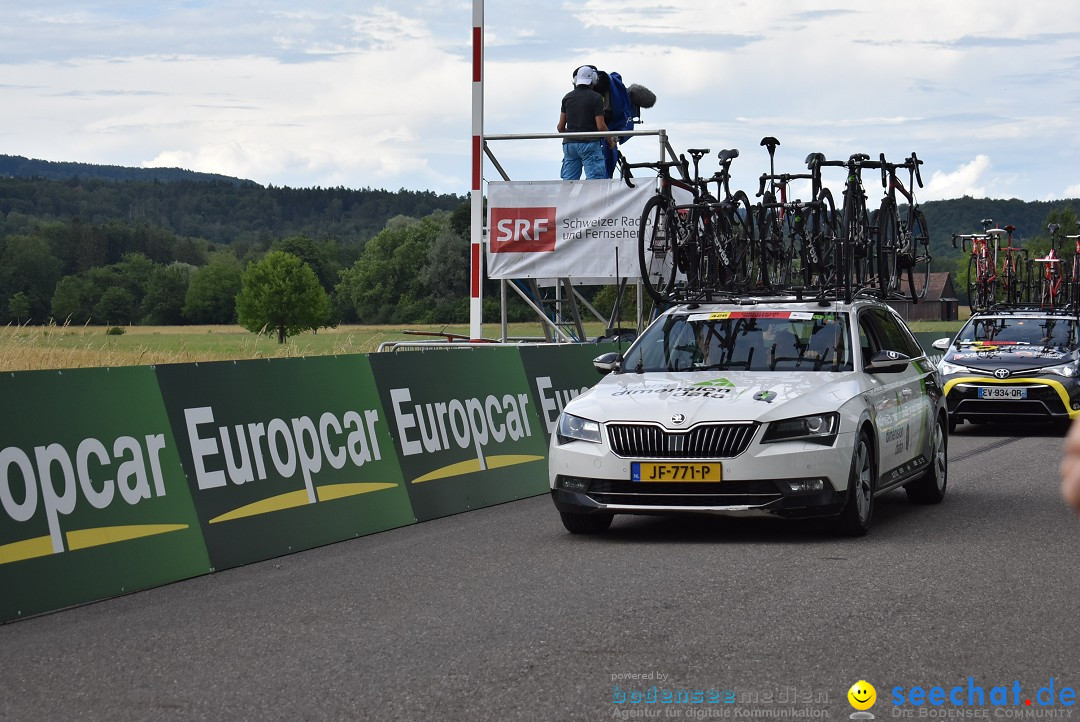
[1023,281]
[920,252]
[707,266]
[888,247]
[973,282]
[1074,285]
[854,233]
[1008,281]
[735,243]
[656,251]
[987,283]
[769,256]
[820,261]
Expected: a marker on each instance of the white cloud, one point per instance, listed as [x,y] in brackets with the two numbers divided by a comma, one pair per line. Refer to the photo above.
[966,180]
[381,95]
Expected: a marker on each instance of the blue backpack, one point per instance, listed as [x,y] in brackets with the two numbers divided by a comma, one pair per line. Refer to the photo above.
[622,109]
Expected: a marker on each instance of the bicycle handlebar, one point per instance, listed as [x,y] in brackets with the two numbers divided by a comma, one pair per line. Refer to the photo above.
[784,179]
[916,162]
[912,164]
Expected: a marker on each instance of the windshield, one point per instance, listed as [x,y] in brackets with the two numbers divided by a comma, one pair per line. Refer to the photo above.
[744,340]
[996,332]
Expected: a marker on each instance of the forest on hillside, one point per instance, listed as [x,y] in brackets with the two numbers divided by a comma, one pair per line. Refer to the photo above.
[88,248]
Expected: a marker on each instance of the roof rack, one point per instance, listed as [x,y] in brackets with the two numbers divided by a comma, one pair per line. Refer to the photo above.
[780,294]
[1006,308]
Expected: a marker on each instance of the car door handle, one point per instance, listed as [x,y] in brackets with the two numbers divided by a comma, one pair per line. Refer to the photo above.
[905,392]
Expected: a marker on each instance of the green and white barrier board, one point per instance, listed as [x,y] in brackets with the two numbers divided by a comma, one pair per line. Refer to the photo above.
[116,480]
[93,499]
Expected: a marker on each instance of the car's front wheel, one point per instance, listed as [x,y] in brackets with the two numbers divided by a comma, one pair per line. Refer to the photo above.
[854,519]
[585,523]
[930,487]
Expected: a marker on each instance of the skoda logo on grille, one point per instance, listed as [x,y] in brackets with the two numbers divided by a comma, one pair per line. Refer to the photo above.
[1001,373]
[678,419]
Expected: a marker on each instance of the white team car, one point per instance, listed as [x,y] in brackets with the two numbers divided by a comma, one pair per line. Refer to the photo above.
[766,406]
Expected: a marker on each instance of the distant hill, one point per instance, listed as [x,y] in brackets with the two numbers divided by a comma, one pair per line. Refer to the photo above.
[224,209]
[16,166]
[217,208]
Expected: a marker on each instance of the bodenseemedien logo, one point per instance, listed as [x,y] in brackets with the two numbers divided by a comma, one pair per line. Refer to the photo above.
[862,696]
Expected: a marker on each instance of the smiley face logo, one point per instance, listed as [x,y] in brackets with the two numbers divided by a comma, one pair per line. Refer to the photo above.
[862,695]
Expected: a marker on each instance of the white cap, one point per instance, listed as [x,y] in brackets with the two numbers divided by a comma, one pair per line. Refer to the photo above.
[584,76]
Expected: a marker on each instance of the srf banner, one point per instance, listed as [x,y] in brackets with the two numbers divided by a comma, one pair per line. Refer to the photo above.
[93,500]
[583,230]
[465,427]
[284,455]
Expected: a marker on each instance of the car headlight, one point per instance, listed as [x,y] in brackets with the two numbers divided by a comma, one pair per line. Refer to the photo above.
[817,429]
[575,428]
[1069,370]
[947,369]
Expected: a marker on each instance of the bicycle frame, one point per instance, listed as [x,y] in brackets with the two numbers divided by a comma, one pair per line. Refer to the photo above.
[1052,277]
[985,268]
[1011,274]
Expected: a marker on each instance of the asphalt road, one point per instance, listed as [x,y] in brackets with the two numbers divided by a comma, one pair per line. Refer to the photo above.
[499,614]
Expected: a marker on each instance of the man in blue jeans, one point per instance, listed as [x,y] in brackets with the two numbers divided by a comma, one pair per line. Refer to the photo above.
[583,112]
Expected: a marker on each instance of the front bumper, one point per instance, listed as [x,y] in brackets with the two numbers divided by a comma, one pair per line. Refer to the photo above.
[589,478]
[1046,399]
[771,497]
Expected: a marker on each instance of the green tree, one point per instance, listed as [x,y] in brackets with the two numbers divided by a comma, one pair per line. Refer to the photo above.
[281,294]
[211,293]
[28,265]
[318,255]
[385,285]
[116,306]
[73,301]
[19,307]
[166,290]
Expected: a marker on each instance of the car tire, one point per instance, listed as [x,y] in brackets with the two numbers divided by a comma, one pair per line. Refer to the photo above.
[586,523]
[930,487]
[854,519]
[953,424]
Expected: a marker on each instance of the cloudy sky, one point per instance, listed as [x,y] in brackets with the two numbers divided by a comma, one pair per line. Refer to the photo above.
[365,94]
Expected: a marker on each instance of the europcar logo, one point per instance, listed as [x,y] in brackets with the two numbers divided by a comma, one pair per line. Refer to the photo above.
[53,480]
[239,454]
[455,425]
[523,230]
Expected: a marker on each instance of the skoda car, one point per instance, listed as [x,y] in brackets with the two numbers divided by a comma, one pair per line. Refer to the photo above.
[1013,364]
[761,407]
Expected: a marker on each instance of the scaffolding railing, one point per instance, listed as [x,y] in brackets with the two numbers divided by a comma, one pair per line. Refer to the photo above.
[562,322]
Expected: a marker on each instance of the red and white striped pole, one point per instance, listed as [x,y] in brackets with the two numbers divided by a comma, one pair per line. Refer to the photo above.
[476,256]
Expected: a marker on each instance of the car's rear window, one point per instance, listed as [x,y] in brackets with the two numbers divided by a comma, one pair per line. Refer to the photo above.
[1031,331]
[744,340]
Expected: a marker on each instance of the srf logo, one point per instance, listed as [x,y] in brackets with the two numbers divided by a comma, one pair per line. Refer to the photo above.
[522,230]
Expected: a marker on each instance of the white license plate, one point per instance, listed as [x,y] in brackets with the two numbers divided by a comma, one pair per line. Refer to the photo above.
[1001,392]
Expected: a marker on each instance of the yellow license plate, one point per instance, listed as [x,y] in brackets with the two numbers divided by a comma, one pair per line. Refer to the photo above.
[663,472]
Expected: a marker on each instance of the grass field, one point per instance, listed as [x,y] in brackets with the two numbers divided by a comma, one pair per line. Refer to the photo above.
[27,348]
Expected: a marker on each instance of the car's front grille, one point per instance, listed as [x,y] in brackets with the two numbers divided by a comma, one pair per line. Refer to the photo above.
[1041,401]
[705,441]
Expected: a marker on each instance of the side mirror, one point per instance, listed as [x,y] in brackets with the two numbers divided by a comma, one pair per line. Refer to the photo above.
[887,362]
[942,344]
[606,363]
